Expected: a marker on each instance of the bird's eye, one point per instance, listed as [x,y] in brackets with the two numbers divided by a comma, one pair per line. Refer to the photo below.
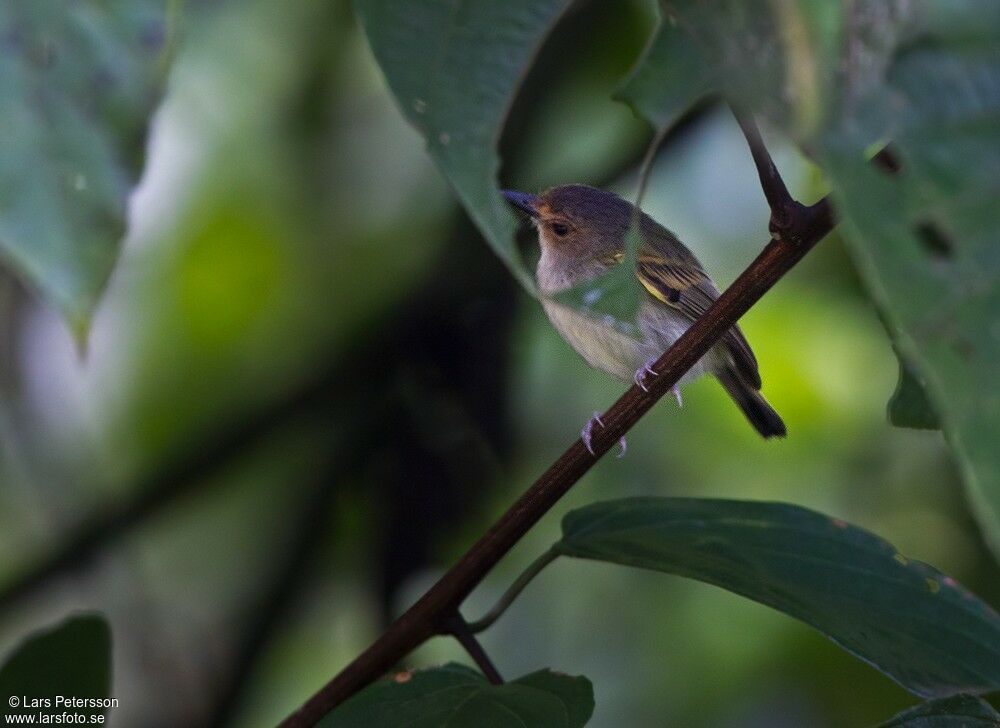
[560,229]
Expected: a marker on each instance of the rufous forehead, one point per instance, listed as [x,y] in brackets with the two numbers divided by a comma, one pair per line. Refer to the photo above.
[544,209]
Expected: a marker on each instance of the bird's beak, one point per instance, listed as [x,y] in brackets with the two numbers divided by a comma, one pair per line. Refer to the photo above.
[523,201]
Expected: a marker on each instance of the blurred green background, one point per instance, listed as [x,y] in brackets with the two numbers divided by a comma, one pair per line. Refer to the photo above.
[311,385]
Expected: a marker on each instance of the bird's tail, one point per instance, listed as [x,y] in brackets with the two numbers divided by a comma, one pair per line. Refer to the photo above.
[761,415]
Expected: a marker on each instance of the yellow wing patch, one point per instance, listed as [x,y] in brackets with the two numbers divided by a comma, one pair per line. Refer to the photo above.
[666,280]
[654,291]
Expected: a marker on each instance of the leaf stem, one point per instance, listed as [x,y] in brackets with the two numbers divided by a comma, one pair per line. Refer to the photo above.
[515,589]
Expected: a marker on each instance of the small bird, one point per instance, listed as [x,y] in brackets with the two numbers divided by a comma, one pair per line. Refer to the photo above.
[582,232]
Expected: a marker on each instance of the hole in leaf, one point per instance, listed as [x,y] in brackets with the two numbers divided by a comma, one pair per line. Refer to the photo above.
[934,240]
[886,160]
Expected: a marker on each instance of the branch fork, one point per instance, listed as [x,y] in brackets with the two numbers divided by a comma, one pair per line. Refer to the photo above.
[456,626]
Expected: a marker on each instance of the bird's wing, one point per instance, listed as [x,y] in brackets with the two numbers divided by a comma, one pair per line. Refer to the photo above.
[672,275]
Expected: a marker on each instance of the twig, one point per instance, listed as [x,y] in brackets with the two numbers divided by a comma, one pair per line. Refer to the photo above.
[418,623]
[770,179]
[456,625]
[515,589]
[787,214]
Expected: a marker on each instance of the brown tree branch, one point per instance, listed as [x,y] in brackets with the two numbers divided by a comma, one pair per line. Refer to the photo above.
[802,230]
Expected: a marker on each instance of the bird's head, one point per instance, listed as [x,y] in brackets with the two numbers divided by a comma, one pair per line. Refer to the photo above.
[576,220]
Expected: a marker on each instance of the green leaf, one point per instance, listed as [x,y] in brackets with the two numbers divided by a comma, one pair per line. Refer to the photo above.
[669,78]
[454,696]
[908,620]
[753,52]
[841,78]
[454,68]
[908,406]
[924,241]
[611,299]
[72,659]
[78,83]
[960,711]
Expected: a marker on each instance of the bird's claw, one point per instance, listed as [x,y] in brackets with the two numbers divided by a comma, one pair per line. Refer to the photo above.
[586,435]
[646,369]
[588,429]
[641,372]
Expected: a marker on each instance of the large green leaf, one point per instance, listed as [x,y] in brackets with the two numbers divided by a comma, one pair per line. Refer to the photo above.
[78,82]
[925,242]
[839,78]
[454,67]
[455,696]
[916,625]
[72,659]
[777,58]
[960,711]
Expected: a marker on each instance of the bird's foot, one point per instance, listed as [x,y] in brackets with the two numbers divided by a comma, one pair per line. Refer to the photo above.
[587,432]
[642,372]
[647,369]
